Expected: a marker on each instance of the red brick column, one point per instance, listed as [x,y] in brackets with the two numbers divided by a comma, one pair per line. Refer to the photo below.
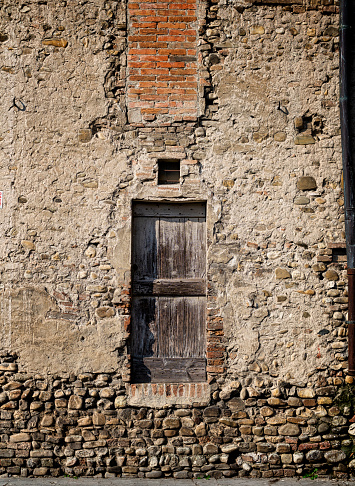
[162,80]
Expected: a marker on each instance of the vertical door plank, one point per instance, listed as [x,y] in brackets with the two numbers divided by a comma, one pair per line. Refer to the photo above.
[194,326]
[181,323]
[144,248]
[171,248]
[167,323]
[144,327]
[195,248]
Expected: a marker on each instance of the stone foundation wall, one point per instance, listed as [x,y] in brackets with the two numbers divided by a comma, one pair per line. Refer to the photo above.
[260,144]
[81,425]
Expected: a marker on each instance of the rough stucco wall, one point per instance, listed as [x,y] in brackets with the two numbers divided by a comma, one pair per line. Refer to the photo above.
[55,60]
[60,195]
[265,154]
[266,221]
[49,344]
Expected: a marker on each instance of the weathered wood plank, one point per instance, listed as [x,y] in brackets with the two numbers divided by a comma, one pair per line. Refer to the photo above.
[194,327]
[181,323]
[144,333]
[144,248]
[195,248]
[177,287]
[175,210]
[171,248]
[176,370]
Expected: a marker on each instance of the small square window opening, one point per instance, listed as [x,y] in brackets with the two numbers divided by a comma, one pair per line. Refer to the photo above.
[169,171]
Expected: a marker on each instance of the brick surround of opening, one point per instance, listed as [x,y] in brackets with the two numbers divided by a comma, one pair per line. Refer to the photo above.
[162,83]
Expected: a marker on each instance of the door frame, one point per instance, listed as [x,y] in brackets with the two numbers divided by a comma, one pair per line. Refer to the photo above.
[165,204]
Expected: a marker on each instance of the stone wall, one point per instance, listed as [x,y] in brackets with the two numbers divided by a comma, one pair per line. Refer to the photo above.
[260,143]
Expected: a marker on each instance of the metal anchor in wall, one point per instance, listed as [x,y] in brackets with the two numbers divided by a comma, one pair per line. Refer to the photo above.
[19,104]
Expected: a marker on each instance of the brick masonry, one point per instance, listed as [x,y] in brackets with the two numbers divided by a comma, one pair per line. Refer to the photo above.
[162,61]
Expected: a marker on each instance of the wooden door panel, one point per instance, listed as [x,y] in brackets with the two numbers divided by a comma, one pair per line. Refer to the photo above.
[144,248]
[169,293]
[194,326]
[182,248]
[169,318]
[181,331]
[144,327]
[195,248]
[171,248]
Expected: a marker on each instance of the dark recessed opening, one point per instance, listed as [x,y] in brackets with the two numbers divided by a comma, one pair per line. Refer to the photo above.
[339,255]
[169,171]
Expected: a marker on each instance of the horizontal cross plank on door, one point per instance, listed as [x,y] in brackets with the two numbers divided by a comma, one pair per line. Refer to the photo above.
[179,370]
[185,210]
[177,287]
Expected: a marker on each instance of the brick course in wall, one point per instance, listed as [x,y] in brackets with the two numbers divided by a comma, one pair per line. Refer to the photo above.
[162,61]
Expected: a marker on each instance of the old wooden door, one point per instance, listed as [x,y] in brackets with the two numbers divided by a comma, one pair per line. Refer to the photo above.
[168,340]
